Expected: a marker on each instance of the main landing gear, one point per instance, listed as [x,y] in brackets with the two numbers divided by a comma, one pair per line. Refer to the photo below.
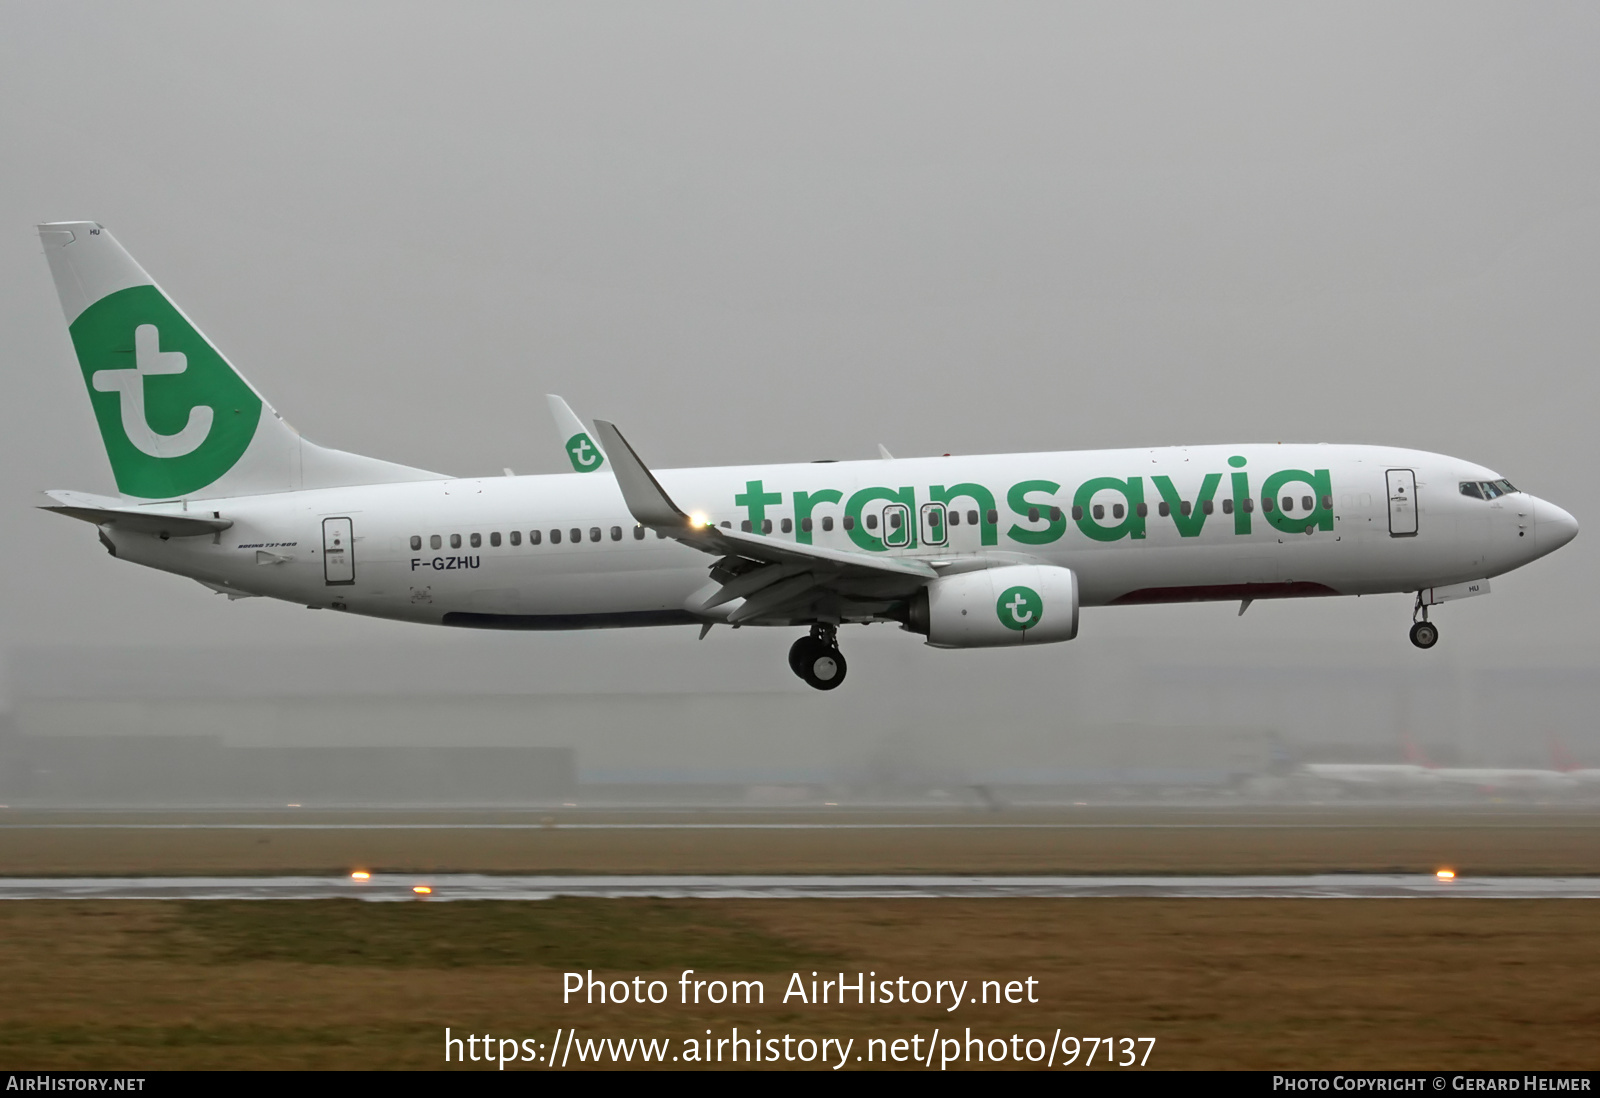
[1424,634]
[816,658]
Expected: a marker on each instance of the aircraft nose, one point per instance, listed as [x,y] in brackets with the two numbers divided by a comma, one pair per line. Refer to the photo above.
[1553,527]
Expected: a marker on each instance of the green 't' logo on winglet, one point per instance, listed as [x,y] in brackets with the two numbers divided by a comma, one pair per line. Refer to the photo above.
[1019,608]
[173,414]
[585,455]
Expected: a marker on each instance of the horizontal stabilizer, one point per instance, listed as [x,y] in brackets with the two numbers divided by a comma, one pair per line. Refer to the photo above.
[106,511]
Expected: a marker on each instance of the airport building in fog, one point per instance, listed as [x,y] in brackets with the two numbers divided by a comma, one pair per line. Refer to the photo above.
[1114,722]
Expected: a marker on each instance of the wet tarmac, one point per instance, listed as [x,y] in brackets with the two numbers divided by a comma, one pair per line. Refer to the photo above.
[488,887]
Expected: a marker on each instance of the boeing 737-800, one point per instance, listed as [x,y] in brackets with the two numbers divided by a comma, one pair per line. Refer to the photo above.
[970,551]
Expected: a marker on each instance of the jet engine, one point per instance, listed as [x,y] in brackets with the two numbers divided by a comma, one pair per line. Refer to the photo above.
[1013,604]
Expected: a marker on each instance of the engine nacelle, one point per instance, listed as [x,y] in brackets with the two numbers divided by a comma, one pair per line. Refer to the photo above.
[1014,604]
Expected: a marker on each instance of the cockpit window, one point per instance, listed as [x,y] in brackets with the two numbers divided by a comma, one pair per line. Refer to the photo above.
[1487,489]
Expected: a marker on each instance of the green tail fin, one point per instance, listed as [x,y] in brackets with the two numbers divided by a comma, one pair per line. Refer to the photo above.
[176,418]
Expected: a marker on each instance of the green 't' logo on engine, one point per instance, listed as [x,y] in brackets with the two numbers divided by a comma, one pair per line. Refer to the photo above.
[585,455]
[173,415]
[1019,608]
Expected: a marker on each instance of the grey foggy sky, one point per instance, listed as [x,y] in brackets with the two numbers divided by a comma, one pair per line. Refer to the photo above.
[767,233]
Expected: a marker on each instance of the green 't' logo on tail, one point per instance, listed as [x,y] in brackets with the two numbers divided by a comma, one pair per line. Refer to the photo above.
[173,414]
[1019,608]
[586,456]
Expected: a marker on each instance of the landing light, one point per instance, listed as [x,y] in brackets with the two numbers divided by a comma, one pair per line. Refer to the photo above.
[422,890]
[361,875]
[1446,875]
[698,519]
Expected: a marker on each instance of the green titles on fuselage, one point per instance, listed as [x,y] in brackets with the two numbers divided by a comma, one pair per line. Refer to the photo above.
[1040,511]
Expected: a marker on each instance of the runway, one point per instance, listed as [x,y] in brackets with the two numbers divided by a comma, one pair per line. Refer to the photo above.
[444,887]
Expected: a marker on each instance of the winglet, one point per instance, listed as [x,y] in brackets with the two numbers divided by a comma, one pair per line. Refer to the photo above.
[646,499]
[586,456]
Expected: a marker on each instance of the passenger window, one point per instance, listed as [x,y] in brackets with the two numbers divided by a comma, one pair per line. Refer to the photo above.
[744,526]
[616,533]
[516,537]
[1208,507]
[788,526]
[555,537]
[1288,503]
[1249,505]
[849,523]
[433,541]
[576,535]
[455,541]
[827,523]
[1033,514]
[638,532]
[1327,503]
[494,540]
[594,533]
[872,522]
[1118,510]
[477,541]
[1185,507]
[806,524]
[1308,503]
[1143,510]
[766,526]
[993,516]
[955,518]
[416,542]
[1098,510]
[1077,514]
[895,520]
[1227,506]
[972,518]
[726,525]
[1266,505]
[533,537]
[1162,509]
[933,517]
[1055,514]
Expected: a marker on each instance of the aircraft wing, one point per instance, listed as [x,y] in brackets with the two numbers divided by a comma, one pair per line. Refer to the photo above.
[106,511]
[777,579]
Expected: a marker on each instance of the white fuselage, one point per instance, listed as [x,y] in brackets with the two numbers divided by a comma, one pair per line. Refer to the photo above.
[1195,541]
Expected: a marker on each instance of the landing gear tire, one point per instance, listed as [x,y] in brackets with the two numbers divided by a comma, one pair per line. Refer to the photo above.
[818,661]
[1424,634]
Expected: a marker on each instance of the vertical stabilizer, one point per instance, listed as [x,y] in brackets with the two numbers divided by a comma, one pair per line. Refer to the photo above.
[177,420]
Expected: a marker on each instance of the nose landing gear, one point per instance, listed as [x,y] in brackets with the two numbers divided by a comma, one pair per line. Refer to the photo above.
[1424,634]
[816,658]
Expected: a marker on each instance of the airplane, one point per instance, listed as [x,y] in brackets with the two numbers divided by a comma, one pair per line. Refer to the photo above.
[1566,765]
[966,551]
[1375,776]
[1418,773]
